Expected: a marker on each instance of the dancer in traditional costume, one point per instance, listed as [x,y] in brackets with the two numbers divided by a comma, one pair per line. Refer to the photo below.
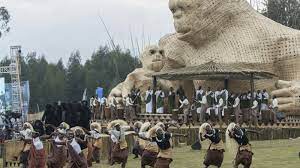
[137,147]
[94,143]
[75,150]
[119,151]
[163,141]
[150,151]
[215,151]
[238,144]
[37,154]
[26,134]
[58,154]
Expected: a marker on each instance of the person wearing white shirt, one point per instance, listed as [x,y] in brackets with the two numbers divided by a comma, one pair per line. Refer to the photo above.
[160,95]
[226,95]
[259,99]
[217,94]
[199,91]
[265,99]
[210,98]
[219,111]
[95,101]
[76,155]
[204,107]
[91,102]
[27,138]
[148,100]
[274,107]
[129,111]
[37,148]
[199,98]
[254,111]
[94,107]
[103,103]
[95,139]
[237,108]
[119,154]
[113,107]
[184,105]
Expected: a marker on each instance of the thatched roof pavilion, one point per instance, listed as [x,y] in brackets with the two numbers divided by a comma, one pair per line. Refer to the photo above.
[216,71]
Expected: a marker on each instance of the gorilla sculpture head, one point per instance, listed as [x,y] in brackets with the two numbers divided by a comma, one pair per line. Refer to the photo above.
[153,58]
[202,20]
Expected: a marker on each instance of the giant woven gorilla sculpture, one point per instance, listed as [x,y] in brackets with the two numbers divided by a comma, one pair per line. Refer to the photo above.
[231,31]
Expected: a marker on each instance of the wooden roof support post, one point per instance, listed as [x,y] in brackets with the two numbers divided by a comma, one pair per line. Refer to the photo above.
[252,86]
[154,95]
[226,81]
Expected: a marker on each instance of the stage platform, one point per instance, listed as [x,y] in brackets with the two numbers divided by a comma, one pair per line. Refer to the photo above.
[289,121]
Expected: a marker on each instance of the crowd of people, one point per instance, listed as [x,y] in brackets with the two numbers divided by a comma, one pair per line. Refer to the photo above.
[217,105]
[75,114]
[153,144]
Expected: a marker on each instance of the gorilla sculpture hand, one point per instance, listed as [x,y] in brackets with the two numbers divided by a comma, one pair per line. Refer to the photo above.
[288,95]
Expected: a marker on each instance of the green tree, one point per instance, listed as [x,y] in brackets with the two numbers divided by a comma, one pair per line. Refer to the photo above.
[50,82]
[101,70]
[4,20]
[286,12]
[75,78]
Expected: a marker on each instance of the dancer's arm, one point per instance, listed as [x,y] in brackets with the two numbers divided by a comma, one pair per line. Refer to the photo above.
[143,136]
[202,138]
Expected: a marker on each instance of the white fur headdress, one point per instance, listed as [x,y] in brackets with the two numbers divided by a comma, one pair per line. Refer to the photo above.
[161,125]
[202,129]
[138,124]
[27,124]
[112,124]
[231,144]
[145,126]
[95,126]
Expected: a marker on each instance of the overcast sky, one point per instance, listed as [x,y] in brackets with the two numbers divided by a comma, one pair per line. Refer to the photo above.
[55,28]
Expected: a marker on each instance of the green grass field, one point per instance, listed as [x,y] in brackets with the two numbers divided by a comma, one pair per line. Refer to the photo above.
[267,154]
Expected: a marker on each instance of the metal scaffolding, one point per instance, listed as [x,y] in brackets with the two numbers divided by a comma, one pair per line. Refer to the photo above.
[14,70]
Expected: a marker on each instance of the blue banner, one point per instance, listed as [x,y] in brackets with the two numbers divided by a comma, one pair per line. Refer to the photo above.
[25,97]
